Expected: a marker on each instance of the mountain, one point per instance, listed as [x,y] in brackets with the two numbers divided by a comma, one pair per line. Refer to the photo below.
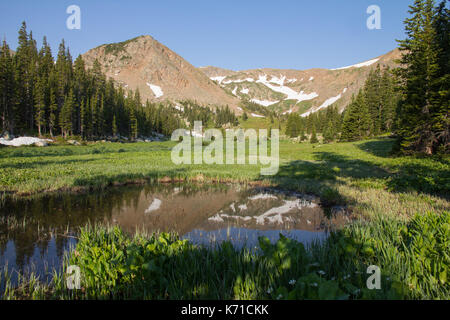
[296,90]
[159,73]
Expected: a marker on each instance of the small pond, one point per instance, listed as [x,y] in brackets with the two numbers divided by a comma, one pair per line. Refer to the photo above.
[34,233]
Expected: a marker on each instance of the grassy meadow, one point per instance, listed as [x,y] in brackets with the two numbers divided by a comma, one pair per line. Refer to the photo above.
[402,226]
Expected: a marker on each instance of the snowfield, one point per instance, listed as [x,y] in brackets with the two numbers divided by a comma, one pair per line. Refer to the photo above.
[244,90]
[327,103]
[239,81]
[291,94]
[156,90]
[264,103]
[257,115]
[22,141]
[360,65]
[218,79]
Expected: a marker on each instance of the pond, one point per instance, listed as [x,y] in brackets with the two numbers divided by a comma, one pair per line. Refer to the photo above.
[35,233]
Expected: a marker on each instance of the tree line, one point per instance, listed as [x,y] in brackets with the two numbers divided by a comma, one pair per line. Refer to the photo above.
[48,96]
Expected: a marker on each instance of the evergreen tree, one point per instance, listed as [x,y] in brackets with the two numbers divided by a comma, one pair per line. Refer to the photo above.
[422,114]
[66,115]
[114,126]
[53,112]
[313,135]
[7,89]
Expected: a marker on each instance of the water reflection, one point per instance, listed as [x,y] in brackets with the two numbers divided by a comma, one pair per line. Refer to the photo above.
[36,232]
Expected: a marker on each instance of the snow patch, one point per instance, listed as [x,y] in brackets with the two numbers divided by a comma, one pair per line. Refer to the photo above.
[311,79]
[244,90]
[290,93]
[242,207]
[359,65]
[156,90]
[264,103]
[22,141]
[257,115]
[238,81]
[218,79]
[327,103]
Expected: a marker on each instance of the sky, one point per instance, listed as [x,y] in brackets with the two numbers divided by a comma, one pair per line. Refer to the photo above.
[236,35]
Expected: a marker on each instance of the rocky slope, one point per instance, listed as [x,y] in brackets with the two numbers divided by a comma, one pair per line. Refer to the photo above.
[295,90]
[158,72]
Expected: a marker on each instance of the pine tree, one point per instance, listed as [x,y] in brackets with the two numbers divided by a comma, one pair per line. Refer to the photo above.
[421,119]
[313,135]
[114,126]
[328,133]
[7,89]
[53,112]
[441,25]
[40,104]
[66,115]
[133,125]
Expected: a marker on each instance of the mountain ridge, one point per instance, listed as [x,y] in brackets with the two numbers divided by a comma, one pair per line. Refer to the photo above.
[304,91]
[160,74]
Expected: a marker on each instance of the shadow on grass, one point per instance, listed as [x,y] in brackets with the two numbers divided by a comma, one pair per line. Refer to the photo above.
[102,181]
[322,176]
[381,147]
[39,164]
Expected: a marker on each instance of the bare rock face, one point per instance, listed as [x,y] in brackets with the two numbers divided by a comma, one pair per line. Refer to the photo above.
[159,73]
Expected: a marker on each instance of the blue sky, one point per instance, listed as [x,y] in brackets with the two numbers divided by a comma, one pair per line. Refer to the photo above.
[237,35]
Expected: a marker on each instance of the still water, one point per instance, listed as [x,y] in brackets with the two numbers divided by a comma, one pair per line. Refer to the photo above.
[34,233]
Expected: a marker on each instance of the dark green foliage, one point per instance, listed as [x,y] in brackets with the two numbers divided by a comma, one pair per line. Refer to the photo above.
[295,125]
[313,135]
[356,123]
[372,111]
[423,116]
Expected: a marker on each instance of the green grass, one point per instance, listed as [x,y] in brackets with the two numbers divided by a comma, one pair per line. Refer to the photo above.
[392,195]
